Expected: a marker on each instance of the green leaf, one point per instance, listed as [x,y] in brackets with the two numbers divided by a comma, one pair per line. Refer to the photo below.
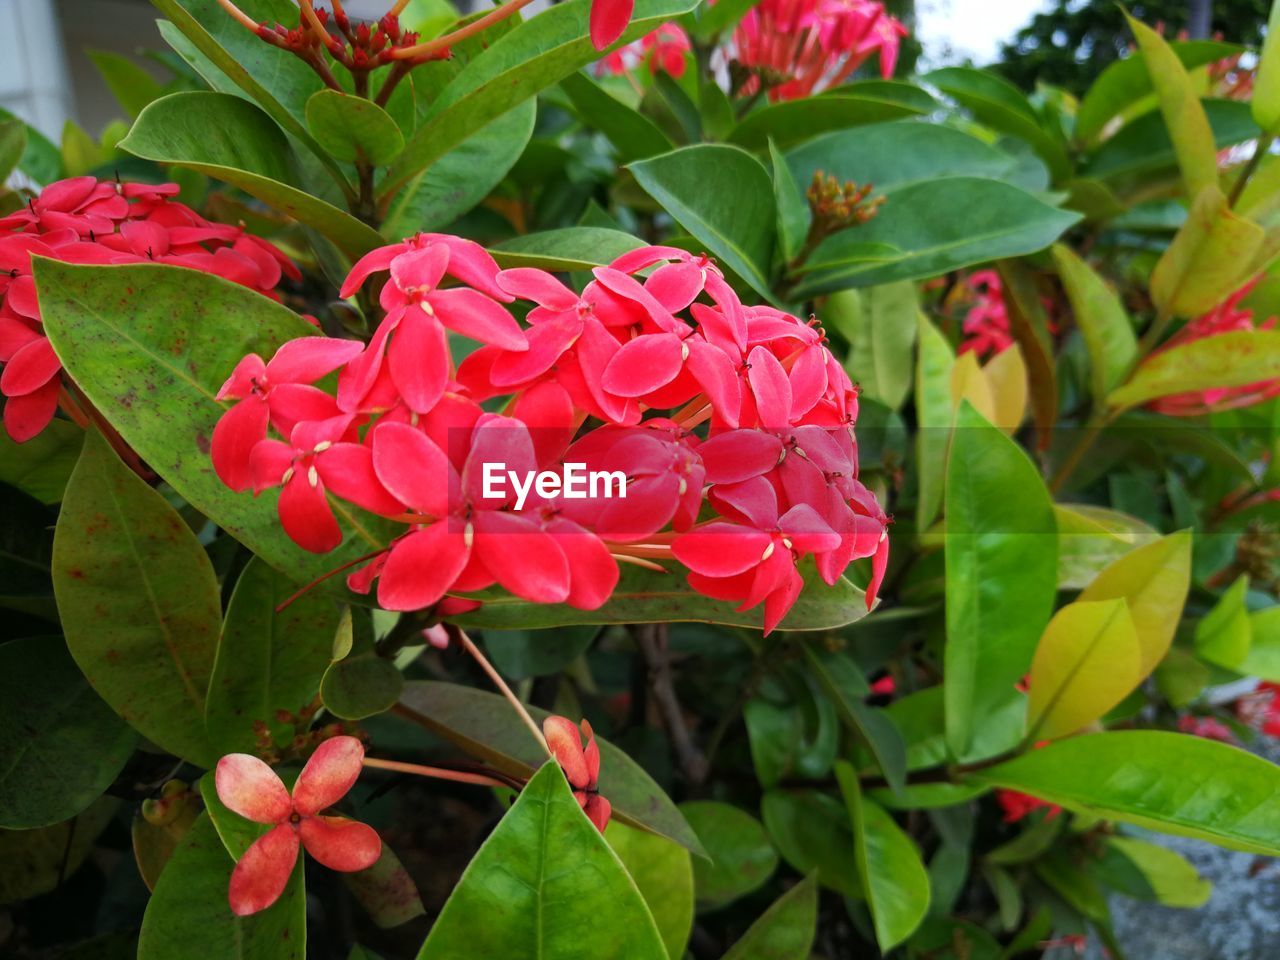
[533,56]
[1029,326]
[646,596]
[132,86]
[1266,83]
[1225,634]
[1126,82]
[791,121]
[544,884]
[789,741]
[794,214]
[813,833]
[1002,106]
[235,832]
[1175,783]
[62,745]
[893,876]
[13,144]
[713,19]
[520,654]
[361,685]
[189,907]
[935,361]
[632,134]
[231,140]
[37,861]
[484,725]
[1263,658]
[880,324]
[937,225]
[1107,330]
[463,177]
[740,857]
[663,873]
[386,891]
[1180,104]
[138,600]
[1090,538]
[1087,662]
[41,466]
[723,196]
[1210,257]
[41,160]
[150,345]
[786,930]
[1001,563]
[267,662]
[1153,580]
[353,128]
[1231,359]
[1173,881]
[568,248]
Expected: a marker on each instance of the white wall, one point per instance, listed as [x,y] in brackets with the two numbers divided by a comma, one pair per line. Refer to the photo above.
[34,82]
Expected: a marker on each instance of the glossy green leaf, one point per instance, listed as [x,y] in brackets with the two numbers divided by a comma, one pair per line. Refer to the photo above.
[794,213]
[880,324]
[1173,881]
[226,138]
[1126,82]
[1090,538]
[353,128]
[1225,633]
[1180,104]
[791,121]
[1003,107]
[1209,258]
[131,85]
[484,725]
[463,177]
[267,662]
[13,144]
[1102,319]
[520,654]
[138,601]
[632,134]
[1231,359]
[568,248]
[41,466]
[894,878]
[1266,84]
[533,56]
[150,345]
[545,884]
[62,745]
[1030,844]
[385,891]
[41,160]
[1263,658]
[1170,782]
[723,196]
[663,873]
[739,859]
[788,740]
[1087,662]
[785,931]
[361,686]
[937,225]
[1153,580]
[189,906]
[36,861]
[813,833]
[711,20]
[1001,563]
[646,596]
[935,361]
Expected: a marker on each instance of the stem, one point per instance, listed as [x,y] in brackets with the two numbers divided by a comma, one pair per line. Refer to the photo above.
[469,645]
[397,8]
[763,663]
[397,72]
[1092,431]
[309,13]
[1153,334]
[439,773]
[652,641]
[72,409]
[429,47]
[1260,148]
[325,576]
[239,15]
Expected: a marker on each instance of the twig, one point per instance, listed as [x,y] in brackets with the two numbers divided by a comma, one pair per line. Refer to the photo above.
[239,15]
[444,42]
[1260,148]
[469,645]
[438,773]
[651,639]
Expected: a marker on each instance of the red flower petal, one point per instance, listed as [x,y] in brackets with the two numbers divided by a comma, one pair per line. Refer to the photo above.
[476,316]
[738,455]
[771,387]
[340,843]
[593,573]
[591,754]
[235,435]
[30,368]
[414,469]
[421,567]
[328,775]
[644,364]
[598,811]
[566,745]
[240,384]
[721,549]
[879,563]
[305,514]
[421,268]
[372,262]
[524,559]
[347,471]
[541,287]
[307,359]
[497,440]
[419,359]
[292,403]
[251,788]
[26,416]
[263,872]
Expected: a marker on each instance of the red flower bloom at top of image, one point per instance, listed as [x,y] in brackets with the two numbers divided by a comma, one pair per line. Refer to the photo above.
[253,790]
[86,220]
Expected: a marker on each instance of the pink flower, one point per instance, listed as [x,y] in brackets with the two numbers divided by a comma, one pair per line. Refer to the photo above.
[252,789]
[1208,727]
[665,49]
[986,326]
[1261,708]
[609,19]
[581,766]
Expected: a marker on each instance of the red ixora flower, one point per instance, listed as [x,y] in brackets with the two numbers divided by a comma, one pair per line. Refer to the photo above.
[1017,805]
[252,789]
[609,19]
[581,766]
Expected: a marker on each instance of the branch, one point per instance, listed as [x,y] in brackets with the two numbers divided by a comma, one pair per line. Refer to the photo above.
[652,641]
[446,41]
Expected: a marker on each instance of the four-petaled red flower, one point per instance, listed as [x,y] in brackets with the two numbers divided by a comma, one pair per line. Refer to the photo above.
[581,765]
[252,789]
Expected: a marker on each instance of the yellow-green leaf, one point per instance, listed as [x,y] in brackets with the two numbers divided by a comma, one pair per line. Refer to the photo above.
[1091,537]
[1225,635]
[1153,580]
[1087,662]
[1006,377]
[1174,882]
[968,383]
[934,362]
[1232,359]
[1108,334]
[1266,83]
[1263,658]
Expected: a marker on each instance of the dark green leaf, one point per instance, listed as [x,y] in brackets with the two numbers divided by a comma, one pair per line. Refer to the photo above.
[41,466]
[662,871]
[812,832]
[386,891]
[568,248]
[794,214]
[632,134]
[13,144]
[132,86]
[36,861]
[785,931]
[791,121]
[353,128]
[520,654]
[740,857]
[880,324]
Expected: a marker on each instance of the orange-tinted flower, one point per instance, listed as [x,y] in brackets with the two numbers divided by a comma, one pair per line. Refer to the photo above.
[581,765]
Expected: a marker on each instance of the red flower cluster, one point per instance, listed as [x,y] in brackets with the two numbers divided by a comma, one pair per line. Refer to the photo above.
[812,45]
[754,470]
[1017,805]
[84,220]
[1261,708]
[1228,316]
[663,51]
[986,325]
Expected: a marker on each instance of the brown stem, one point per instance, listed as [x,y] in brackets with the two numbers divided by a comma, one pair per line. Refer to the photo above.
[427,48]
[651,639]
[72,409]
[398,71]
[764,661]
[438,773]
[239,15]
[1260,148]
[469,645]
